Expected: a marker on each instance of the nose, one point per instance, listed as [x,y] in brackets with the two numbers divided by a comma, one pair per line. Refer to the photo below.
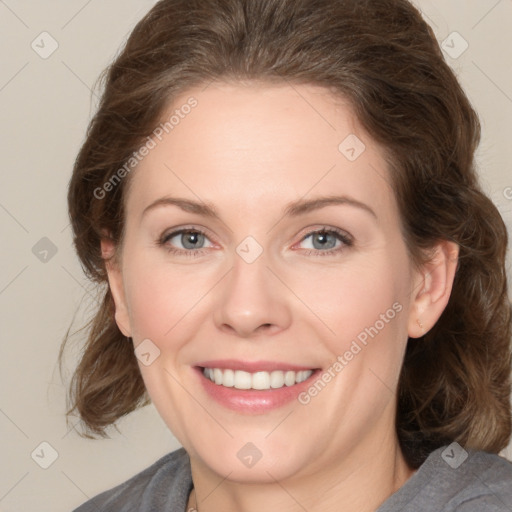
[251,300]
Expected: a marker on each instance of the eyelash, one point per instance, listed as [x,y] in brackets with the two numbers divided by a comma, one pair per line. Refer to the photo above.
[181,252]
[343,237]
[340,235]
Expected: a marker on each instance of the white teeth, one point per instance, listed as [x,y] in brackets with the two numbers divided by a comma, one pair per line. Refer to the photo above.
[228,378]
[242,380]
[289,378]
[276,379]
[259,380]
[217,376]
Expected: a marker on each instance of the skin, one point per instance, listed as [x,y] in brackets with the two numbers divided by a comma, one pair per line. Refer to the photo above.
[249,150]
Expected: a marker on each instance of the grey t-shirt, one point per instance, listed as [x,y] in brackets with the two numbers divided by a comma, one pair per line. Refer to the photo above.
[450,479]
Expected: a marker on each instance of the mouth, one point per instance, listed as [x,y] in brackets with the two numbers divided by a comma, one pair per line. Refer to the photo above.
[260,380]
[254,387]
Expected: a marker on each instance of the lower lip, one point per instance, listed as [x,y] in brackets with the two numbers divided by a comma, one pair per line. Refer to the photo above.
[253,401]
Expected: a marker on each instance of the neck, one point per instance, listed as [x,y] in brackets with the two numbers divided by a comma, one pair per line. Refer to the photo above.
[361,481]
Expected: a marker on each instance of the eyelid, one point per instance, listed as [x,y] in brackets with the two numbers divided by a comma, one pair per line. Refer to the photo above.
[172,232]
[343,236]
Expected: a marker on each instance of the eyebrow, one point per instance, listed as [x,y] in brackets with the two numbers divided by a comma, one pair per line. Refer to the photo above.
[303,206]
[293,209]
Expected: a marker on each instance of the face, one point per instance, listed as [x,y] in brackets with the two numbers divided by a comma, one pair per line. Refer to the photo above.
[263,236]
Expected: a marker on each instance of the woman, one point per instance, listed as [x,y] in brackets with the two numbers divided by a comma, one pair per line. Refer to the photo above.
[301,271]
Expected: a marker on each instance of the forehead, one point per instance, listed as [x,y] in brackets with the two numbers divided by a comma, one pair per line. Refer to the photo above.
[258,145]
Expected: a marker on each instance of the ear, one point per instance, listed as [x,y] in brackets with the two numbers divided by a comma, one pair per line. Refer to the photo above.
[433,286]
[115,281]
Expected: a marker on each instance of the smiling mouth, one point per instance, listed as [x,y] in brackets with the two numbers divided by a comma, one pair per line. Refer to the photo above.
[261,380]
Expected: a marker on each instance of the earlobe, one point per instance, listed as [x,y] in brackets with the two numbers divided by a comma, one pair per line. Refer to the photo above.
[115,281]
[433,288]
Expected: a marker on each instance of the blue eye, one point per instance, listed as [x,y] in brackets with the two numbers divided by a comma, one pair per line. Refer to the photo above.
[186,241]
[194,242]
[326,241]
[322,240]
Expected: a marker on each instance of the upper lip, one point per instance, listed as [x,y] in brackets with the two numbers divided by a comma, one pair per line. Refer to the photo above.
[253,366]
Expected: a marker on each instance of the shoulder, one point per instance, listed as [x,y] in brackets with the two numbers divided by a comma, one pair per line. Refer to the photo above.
[453,479]
[163,485]
[488,484]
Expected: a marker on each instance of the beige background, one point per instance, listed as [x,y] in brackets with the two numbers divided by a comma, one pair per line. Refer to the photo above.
[45,105]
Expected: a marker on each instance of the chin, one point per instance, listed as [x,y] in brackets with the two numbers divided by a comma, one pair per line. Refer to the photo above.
[248,462]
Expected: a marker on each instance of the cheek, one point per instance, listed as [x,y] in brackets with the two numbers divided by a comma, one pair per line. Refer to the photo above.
[349,298]
[160,297]
[365,308]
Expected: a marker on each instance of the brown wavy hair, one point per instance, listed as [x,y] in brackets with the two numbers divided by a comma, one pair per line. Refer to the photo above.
[383,58]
